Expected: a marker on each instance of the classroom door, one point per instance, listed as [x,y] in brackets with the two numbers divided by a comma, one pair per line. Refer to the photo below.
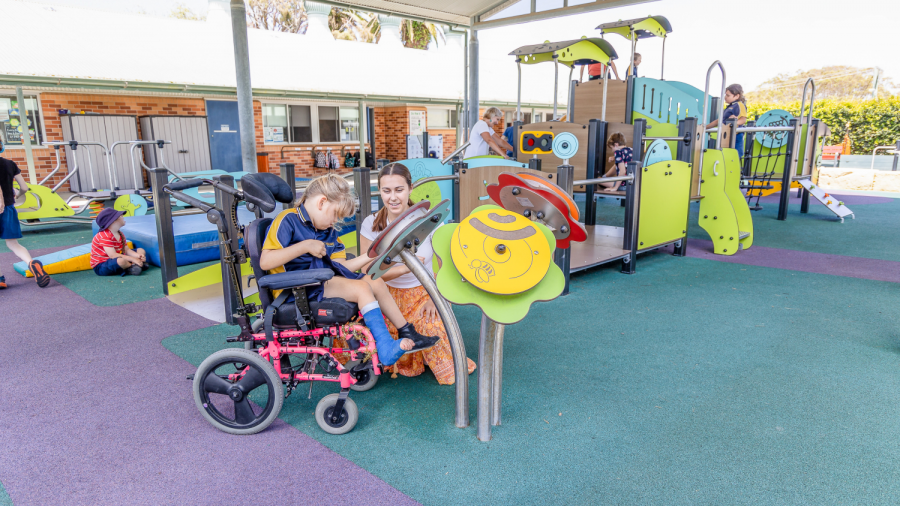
[224,135]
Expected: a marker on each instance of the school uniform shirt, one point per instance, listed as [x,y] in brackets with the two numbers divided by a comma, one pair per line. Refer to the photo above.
[425,250]
[623,155]
[477,145]
[292,226]
[8,172]
[735,110]
[631,71]
[100,241]
[596,69]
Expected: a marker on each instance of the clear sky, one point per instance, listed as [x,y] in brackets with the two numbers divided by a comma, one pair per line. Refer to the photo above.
[755,40]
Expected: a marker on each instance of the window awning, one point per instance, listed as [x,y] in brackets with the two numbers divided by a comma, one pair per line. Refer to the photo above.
[582,51]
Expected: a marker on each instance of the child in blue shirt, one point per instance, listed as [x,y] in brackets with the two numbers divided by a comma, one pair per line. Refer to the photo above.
[305,238]
[622,154]
[736,109]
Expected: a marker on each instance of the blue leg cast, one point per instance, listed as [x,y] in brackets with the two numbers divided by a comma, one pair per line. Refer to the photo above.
[389,351]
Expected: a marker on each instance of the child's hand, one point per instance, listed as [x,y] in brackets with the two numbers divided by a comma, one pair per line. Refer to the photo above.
[314,247]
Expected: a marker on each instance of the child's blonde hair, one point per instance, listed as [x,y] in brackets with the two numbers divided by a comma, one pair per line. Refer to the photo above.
[336,190]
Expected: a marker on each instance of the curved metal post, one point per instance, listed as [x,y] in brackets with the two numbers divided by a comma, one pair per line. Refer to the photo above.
[454,335]
[812,99]
[555,85]
[705,116]
[519,91]
[497,372]
[662,70]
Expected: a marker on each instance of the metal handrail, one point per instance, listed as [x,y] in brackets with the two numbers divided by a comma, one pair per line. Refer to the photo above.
[812,99]
[600,180]
[705,116]
[456,152]
[762,129]
[426,180]
[876,149]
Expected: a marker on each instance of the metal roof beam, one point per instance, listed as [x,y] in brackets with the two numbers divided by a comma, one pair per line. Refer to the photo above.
[556,13]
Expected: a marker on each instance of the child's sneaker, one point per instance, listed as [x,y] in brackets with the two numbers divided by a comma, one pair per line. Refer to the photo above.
[40,275]
[134,270]
[2,282]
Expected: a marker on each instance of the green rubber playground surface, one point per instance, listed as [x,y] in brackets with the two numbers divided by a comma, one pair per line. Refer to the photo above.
[692,382]
[4,497]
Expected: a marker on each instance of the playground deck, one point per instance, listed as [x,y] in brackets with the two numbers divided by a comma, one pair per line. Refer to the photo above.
[767,377]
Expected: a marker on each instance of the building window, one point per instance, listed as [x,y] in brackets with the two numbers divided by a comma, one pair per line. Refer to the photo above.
[284,123]
[301,124]
[12,126]
[441,119]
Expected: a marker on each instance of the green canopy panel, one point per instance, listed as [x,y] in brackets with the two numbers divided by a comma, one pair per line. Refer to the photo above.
[651,26]
[583,51]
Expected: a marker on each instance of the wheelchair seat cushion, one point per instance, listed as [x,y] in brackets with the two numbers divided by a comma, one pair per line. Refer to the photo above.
[328,311]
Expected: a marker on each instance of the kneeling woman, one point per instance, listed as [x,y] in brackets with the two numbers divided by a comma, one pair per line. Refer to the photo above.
[395,185]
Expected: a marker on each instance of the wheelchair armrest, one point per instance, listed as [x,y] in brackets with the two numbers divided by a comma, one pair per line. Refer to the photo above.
[293,279]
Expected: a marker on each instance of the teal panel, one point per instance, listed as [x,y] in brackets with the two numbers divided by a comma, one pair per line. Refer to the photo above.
[494,162]
[658,151]
[420,168]
[691,91]
[663,102]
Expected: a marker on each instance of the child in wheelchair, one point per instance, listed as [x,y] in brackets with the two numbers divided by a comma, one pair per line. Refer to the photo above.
[305,237]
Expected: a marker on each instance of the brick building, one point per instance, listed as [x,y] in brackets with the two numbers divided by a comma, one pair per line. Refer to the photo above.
[298,109]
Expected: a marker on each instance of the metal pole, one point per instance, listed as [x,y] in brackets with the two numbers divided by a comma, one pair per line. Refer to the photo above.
[896,156]
[473,115]
[555,85]
[459,170]
[497,373]
[565,174]
[454,335]
[704,119]
[244,89]
[464,118]
[363,186]
[596,155]
[793,140]
[519,91]
[363,132]
[164,229]
[26,136]
[225,201]
[287,173]
[632,209]
[485,378]
[605,82]
[570,110]
[662,69]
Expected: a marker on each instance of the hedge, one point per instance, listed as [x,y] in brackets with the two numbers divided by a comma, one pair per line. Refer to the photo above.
[872,122]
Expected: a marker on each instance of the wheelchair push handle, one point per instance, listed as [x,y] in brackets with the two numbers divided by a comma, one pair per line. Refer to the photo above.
[173,189]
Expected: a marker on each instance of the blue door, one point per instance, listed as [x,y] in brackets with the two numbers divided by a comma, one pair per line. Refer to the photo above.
[224,135]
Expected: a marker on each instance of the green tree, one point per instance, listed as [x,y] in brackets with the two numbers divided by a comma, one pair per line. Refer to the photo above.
[836,82]
[181,11]
[277,15]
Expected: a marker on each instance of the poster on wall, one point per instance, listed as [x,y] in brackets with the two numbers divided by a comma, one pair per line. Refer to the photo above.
[414,147]
[416,122]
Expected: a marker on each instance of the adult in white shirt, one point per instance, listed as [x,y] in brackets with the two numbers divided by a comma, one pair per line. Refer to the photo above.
[483,138]
[395,185]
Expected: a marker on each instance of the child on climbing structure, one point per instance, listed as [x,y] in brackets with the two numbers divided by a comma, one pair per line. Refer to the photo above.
[305,238]
[736,109]
[110,254]
[10,230]
[622,154]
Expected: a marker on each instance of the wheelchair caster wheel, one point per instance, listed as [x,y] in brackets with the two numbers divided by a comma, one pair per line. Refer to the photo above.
[365,380]
[346,421]
[243,406]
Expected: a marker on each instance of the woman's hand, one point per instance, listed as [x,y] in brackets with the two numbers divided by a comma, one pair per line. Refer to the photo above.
[428,310]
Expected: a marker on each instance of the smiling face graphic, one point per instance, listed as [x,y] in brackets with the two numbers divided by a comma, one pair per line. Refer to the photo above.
[500,252]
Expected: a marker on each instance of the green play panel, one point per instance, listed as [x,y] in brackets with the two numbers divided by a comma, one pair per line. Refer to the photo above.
[650,379]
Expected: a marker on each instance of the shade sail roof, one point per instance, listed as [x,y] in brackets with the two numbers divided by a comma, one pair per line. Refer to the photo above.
[651,26]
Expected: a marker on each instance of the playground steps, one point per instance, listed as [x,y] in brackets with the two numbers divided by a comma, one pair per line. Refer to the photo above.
[829,201]
[743,235]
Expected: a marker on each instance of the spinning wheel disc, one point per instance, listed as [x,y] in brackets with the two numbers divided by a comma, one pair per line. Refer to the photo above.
[389,233]
[500,252]
[531,178]
[413,233]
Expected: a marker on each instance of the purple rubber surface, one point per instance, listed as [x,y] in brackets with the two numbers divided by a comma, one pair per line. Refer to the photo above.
[804,261]
[96,411]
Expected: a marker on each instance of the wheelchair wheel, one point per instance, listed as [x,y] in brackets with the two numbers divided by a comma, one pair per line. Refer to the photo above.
[246,406]
[347,420]
[365,380]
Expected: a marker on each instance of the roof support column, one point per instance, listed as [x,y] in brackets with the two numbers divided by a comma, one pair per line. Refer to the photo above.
[472,74]
[244,90]
[26,133]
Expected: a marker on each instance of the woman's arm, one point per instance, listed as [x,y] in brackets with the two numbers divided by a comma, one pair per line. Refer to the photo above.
[615,72]
[500,140]
[272,258]
[489,139]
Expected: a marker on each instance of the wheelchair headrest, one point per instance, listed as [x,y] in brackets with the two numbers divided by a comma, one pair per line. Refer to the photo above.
[264,189]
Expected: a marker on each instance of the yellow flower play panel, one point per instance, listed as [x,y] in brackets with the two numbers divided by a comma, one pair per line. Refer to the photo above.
[500,252]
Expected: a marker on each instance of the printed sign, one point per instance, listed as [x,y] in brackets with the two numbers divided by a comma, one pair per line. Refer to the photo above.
[416,122]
